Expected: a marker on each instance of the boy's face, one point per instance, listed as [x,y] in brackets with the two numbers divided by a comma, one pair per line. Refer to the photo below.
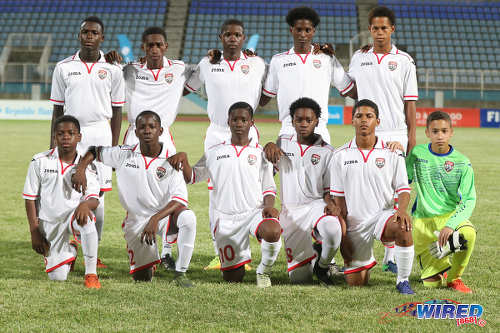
[240,122]
[302,32]
[365,121]
[148,129]
[304,121]
[439,132]
[90,35]
[154,46]
[67,137]
[232,37]
[381,30]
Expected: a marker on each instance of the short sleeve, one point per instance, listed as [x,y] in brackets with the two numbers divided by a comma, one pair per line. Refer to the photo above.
[336,179]
[113,156]
[400,177]
[195,80]
[200,171]
[410,92]
[340,79]
[271,83]
[177,188]
[117,88]
[93,186]
[58,89]
[266,176]
[31,189]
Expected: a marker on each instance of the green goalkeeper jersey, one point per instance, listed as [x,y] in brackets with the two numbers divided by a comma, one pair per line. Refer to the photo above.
[444,184]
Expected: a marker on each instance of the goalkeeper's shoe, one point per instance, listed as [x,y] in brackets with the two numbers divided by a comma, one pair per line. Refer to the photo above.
[92,281]
[100,264]
[168,262]
[460,286]
[322,274]
[214,264]
[404,288]
[390,267]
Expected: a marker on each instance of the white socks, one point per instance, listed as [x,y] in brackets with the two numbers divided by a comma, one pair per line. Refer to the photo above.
[331,235]
[99,216]
[388,254]
[89,239]
[269,254]
[166,246]
[404,260]
[186,222]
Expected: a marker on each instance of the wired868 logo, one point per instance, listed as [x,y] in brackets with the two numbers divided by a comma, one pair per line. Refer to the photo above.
[438,309]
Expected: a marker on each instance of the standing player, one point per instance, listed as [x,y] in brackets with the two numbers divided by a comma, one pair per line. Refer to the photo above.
[155,85]
[243,197]
[92,90]
[233,79]
[366,163]
[445,200]
[301,73]
[55,211]
[387,76]
[154,196]
[307,209]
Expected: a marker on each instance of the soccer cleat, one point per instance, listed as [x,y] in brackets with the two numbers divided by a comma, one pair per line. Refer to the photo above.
[390,267]
[92,281]
[335,270]
[322,274]
[72,264]
[214,264]
[460,286]
[182,280]
[263,280]
[168,262]
[100,264]
[404,288]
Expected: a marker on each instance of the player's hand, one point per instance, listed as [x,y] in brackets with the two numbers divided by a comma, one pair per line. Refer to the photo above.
[325,48]
[444,234]
[113,57]
[38,243]
[142,60]
[214,56]
[83,214]
[79,181]
[366,48]
[453,242]
[148,235]
[270,212]
[403,219]
[394,145]
[332,209]
[273,152]
[249,53]
[177,161]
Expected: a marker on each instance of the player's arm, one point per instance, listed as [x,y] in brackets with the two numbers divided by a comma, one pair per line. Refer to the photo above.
[84,210]
[273,152]
[269,211]
[38,243]
[271,83]
[58,111]
[150,230]
[116,124]
[79,178]
[402,189]
[410,108]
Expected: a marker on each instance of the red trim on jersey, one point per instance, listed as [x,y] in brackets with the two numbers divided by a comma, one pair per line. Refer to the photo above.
[258,134]
[157,73]
[366,158]
[175,197]
[135,147]
[359,269]
[267,91]
[235,266]
[303,59]
[389,246]
[146,163]
[31,196]
[302,263]
[68,261]
[210,187]
[234,63]
[236,149]
[89,69]
[410,96]
[169,62]
[348,87]
[403,189]
[106,189]
[269,192]
[144,266]
[52,151]
[380,60]
[55,100]
[118,102]
[190,88]
[91,196]
[302,152]
[339,192]
[63,169]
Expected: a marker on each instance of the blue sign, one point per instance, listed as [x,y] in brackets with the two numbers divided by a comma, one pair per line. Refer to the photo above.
[125,48]
[490,118]
[335,115]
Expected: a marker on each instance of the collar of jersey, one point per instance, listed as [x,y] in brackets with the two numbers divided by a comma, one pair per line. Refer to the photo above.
[166,63]
[101,58]
[319,141]
[292,50]
[137,149]
[379,145]
[394,50]
[437,154]
[242,56]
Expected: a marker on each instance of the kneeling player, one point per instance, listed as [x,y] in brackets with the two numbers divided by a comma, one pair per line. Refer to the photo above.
[243,197]
[445,200]
[55,211]
[154,196]
[303,160]
[366,174]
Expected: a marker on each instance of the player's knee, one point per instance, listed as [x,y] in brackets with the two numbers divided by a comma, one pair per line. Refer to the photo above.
[469,234]
[59,274]
[144,275]
[186,219]
[88,228]
[301,275]
[234,275]
[330,230]
[270,231]
[403,237]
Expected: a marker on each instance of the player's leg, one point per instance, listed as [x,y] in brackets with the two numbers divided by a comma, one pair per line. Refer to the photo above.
[60,273]
[234,275]
[358,279]
[302,274]
[328,230]
[89,241]
[460,260]
[268,231]
[361,238]
[60,254]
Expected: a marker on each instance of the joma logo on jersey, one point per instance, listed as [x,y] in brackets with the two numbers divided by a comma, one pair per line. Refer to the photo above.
[215,70]
[289,64]
[74,73]
[315,159]
[140,77]
[366,64]
[223,156]
[350,162]
[288,154]
[380,162]
[448,166]
[130,165]
[50,171]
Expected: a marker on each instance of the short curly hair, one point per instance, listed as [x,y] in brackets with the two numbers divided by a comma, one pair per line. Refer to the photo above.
[305,102]
[302,13]
[381,11]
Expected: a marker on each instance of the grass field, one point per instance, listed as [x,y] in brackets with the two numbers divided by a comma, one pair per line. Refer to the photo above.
[30,302]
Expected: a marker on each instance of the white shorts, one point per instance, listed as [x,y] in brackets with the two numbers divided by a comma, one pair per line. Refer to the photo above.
[131,139]
[362,237]
[400,136]
[288,129]
[231,236]
[299,227]
[58,235]
[98,134]
[217,134]
[141,255]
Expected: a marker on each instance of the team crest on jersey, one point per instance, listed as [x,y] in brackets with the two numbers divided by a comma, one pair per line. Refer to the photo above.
[102,74]
[252,159]
[169,77]
[448,166]
[317,63]
[245,69]
[160,172]
[392,65]
[380,162]
[315,159]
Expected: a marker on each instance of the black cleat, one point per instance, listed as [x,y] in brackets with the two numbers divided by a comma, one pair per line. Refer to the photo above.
[168,262]
[322,274]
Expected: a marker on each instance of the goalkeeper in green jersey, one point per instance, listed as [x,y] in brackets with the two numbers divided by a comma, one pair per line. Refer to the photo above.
[444,238]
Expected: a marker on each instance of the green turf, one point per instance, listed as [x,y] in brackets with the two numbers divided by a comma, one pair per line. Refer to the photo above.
[29,302]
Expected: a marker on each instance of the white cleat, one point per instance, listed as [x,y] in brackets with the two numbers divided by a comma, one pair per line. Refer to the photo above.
[263,280]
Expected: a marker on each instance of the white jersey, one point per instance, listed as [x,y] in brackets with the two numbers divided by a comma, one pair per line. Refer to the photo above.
[304,170]
[49,182]
[145,185]
[87,91]
[292,76]
[241,177]
[158,90]
[228,82]
[388,80]
[368,179]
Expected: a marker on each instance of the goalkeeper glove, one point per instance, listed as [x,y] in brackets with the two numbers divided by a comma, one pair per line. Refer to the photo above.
[456,243]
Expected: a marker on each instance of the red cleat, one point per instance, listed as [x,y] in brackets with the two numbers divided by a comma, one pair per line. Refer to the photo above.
[100,264]
[92,281]
[460,286]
